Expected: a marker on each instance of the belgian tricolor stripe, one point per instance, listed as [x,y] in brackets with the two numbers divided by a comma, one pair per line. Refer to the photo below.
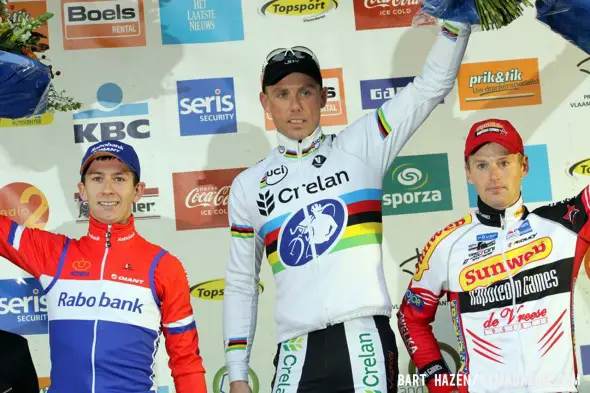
[236,343]
[242,231]
[363,226]
[384,127]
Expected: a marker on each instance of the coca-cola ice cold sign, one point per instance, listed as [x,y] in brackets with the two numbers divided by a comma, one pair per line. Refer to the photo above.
[382,14]
[201,198]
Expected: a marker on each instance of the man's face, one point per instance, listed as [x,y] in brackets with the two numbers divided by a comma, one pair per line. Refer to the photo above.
[295,105]
[108,188]
[497,175]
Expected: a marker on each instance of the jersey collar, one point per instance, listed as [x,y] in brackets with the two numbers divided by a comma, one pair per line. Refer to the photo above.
[291,148]
[493,217]
[119,233]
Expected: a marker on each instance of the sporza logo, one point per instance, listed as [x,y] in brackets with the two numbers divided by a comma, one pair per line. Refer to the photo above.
[207,106]
[311,231]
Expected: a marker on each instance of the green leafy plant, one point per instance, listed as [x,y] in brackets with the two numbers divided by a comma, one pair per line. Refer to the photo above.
[495,14]
[18,35]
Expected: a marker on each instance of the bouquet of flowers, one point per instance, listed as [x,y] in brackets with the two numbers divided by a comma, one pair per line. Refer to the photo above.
[569,18]
[26,87]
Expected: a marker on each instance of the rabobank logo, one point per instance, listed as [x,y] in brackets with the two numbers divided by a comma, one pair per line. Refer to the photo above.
[114,120]
[319,227]
[376,91]
[207,106]
[23,307]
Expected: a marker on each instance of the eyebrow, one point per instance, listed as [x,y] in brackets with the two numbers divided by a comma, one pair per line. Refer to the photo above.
[104,174]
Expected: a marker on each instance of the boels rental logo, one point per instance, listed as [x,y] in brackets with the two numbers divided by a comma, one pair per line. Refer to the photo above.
[214,289]
[309,10]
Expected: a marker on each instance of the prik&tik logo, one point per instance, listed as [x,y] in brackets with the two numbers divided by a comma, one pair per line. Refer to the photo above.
[334,113]
[23,307]
[25,204]
[102,24]
[144,209]
[499,84]
[309,10]
[207,106]
[201,198]
[116,121]
[417,184]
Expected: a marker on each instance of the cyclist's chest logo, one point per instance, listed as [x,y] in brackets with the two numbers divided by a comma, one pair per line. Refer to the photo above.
[317,227]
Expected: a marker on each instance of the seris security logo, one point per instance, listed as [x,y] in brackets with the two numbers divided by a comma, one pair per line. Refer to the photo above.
[207,106]
[499,84]
[144,209]
[417,184]
[102,23]
[201,198]
[25,204]
[308,10]
[114,120]
[23,307]
[383,14]
[213,289]
[334,113]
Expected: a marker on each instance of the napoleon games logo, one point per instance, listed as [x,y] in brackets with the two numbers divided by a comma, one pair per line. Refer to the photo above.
[25,204]
[207,106]
[319,225]
[115,121]
[102,24]
[23,307]
[309,10]
[144,209]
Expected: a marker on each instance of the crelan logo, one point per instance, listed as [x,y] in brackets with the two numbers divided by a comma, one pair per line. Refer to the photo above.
[493,269]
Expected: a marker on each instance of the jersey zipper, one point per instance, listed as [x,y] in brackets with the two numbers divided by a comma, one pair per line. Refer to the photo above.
[316,260]
[514,306]
[104,258]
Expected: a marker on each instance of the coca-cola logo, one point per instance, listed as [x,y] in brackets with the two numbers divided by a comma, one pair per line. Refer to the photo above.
[207,196]
[390,3]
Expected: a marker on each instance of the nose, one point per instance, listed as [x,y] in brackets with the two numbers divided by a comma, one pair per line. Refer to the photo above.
[107,186]
[295,103]
[495,172]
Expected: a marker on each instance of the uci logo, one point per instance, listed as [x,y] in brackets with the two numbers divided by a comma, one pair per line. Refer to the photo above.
[321,228]
[274,176]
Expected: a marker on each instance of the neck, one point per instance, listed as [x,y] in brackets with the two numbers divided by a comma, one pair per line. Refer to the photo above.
[118,232]
[494,217]
[293,148]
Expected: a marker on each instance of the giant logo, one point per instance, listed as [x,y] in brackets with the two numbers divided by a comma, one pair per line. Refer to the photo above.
[102,24]
[23,307]
[25,204]
[308,9]
[207,106]
[116,121]
[494,269]
[416,184]
[434,241]
[311,231]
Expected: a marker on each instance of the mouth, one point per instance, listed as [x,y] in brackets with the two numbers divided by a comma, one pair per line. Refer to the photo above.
[108,204]
[495,188]
[296,121]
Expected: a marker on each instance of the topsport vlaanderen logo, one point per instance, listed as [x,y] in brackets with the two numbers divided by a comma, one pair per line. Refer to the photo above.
[322,225]
[310,10]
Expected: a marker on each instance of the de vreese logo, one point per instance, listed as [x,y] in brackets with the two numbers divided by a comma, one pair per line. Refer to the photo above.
[102,24]
[206,106]
[115,121]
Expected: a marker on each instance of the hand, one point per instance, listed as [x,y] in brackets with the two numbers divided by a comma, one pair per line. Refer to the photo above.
[239,387]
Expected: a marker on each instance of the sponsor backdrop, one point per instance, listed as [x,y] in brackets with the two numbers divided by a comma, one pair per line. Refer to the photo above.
[179,80]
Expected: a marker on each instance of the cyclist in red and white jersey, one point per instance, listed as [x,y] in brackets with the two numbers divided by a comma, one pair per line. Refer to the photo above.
[509,276]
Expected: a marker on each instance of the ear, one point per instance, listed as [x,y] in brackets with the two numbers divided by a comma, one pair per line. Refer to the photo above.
[525,165]
[468,172]
[324,97]
[264,102]
[139,190]
[82,191]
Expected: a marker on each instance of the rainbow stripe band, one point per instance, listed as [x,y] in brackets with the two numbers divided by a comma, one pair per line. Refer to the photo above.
[384,127]
[242,231]
[363,227]
[313,147]
[450,31]
[237,343]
